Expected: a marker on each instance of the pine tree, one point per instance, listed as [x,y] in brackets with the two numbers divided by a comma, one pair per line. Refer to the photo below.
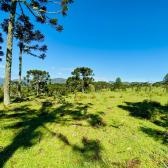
[37,78]
[118,84]
[38,8]
[83,73]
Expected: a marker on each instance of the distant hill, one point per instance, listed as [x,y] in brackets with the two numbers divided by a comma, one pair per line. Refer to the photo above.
[126,83]
[58,80]
[62,80]
[55,80]
[110,81]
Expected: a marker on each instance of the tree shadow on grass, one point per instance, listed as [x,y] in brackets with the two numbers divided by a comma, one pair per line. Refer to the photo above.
[29,120]
[152,111]
[157,135]
[90,152]
[148,110]
[19,100]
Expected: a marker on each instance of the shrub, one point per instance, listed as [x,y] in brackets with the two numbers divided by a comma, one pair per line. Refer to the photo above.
[146,89]
[159,94]
[91,87]
[113,89]
[61,100]
[87,91]
[124,88]
[138,89]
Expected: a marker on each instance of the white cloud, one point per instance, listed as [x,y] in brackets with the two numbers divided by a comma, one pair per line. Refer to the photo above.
[2,66]
[59,73]
[52,67]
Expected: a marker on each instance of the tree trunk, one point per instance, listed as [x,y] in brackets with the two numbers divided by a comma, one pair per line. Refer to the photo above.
[37,88]
[9,53]
[20,70]
[83,86]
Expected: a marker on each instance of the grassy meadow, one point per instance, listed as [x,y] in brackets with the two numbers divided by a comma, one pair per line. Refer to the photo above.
[98,129]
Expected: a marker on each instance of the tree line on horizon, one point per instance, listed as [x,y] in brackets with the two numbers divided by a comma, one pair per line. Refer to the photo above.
[38,82]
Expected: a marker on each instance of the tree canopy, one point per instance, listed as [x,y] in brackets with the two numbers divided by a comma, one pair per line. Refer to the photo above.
[118,84]
[165,79]
[37,78]
[83,75]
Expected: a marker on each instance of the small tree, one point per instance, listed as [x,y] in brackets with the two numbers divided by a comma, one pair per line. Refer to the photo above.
[138,89]
[74,83]
[124,88]
[118,84]
[37,77]
[146,89]
[165,79]
[83,73]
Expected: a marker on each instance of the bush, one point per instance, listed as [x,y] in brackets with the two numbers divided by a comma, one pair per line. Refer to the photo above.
[113,89]
[91,88]
[1,95]
[87,91]
[138,89]
[124,88]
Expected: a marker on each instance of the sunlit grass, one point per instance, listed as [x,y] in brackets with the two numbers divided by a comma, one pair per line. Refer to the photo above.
[125,140]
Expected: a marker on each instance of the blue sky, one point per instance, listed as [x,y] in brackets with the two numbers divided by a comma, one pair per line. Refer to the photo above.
[126,39]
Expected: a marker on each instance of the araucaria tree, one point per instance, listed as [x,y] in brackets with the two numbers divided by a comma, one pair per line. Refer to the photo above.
[38,9]
[23,31]
[1,41]
[165,80]
[84,74]
[118,84]
[37,77]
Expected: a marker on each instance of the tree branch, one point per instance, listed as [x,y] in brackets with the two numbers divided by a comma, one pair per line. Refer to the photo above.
[21,9]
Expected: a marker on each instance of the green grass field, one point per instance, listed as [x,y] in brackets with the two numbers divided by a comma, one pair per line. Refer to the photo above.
[101,129]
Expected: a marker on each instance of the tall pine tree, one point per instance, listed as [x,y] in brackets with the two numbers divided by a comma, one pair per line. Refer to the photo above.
[23,31]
